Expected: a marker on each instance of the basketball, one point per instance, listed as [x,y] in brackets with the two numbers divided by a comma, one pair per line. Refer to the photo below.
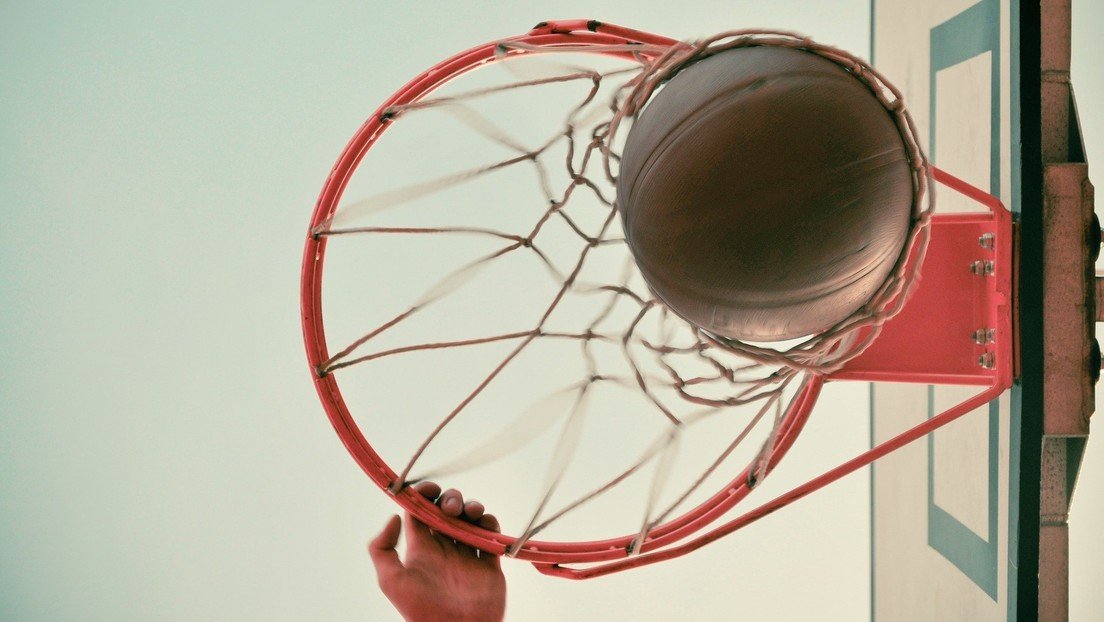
[765,193]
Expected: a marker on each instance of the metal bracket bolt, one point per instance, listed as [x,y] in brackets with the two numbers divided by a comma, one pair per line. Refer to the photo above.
[987,241]
[983,267]
[983,336]
[987,360]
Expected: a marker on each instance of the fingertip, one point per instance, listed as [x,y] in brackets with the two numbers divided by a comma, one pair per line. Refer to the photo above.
[474,510]
[451,502]
[393,523]
[388,537]
[489,522]
[429,490]
[451,507]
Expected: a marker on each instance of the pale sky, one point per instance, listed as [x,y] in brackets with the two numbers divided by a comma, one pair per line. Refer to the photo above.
[163,454]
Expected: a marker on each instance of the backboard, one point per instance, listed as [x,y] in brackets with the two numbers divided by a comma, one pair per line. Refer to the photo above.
[953,514]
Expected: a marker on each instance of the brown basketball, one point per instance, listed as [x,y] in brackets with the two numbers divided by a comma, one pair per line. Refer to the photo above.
[765,193]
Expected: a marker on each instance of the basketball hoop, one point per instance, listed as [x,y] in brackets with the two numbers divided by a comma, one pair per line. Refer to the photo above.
[679,371]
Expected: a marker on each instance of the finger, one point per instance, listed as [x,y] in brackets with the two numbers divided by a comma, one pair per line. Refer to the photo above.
[429,490]
[489,522]
[382,550]
[473,510]
[451,502]
[418,537]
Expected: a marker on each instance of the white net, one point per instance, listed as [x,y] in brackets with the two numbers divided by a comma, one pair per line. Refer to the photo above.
[489,327]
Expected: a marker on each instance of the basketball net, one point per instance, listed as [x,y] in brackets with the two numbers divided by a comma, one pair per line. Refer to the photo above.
[682,373]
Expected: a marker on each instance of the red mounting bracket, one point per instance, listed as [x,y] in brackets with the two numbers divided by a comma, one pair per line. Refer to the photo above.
[957,326]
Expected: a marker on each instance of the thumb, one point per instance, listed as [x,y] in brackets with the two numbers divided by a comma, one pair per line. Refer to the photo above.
[382,550]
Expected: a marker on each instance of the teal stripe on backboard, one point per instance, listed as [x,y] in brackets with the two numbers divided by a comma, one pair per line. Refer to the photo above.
[969,34]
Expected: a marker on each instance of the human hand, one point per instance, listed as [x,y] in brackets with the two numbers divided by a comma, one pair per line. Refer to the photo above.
[440,579]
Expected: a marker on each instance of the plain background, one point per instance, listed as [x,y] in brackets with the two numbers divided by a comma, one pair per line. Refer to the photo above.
[162,452]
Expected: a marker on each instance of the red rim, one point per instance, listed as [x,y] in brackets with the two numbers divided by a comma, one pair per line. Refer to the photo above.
[578,35]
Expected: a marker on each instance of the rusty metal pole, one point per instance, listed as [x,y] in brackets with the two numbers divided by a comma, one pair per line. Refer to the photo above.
[1070,357]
